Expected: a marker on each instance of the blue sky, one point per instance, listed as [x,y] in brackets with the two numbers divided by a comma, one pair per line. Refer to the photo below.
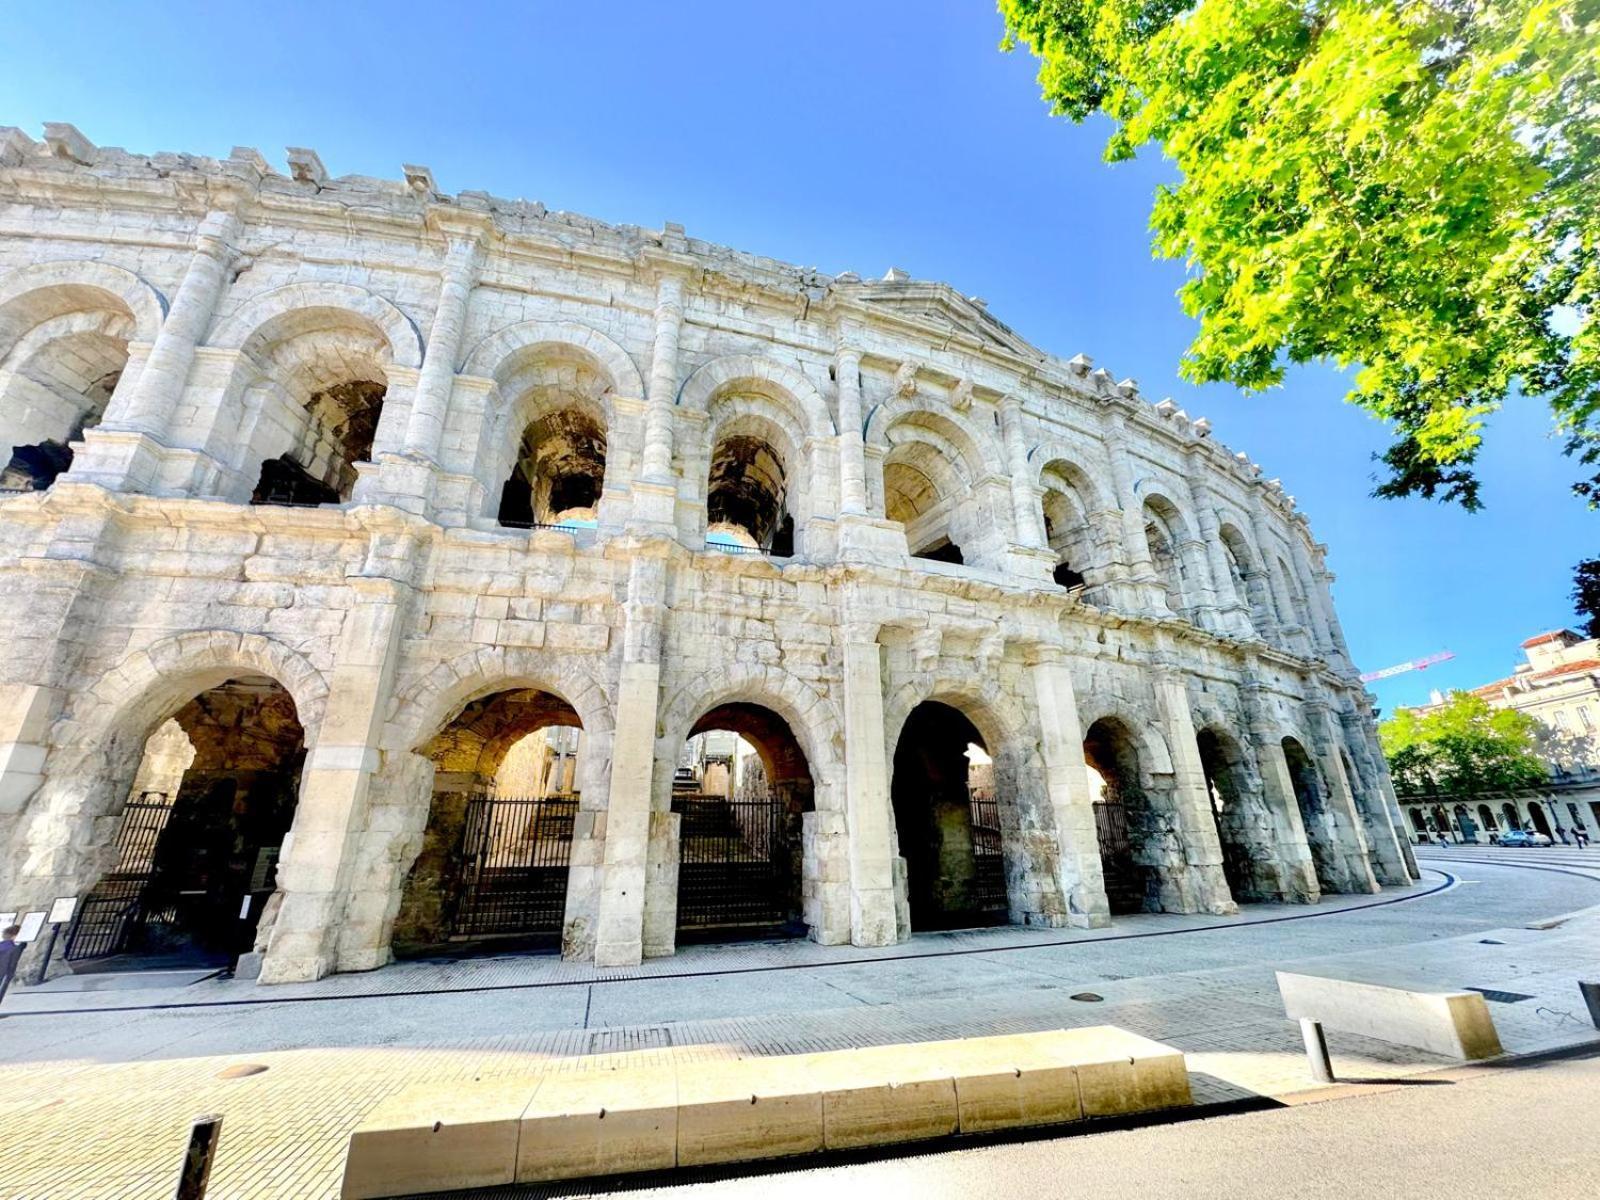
[843,136]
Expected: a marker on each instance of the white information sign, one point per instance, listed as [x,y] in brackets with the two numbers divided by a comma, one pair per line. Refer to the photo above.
[61,911]
[31,925]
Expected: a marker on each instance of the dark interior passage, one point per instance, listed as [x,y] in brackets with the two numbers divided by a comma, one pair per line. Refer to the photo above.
[947,816]
[197,845]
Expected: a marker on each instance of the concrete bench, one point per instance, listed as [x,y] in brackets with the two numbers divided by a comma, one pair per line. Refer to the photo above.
[587,1122]
[1391,1008]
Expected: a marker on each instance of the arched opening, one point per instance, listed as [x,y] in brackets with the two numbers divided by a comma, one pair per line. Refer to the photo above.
[1464,824]
[1075,516]
[197,844]
[62,352]
[947,817]
[312,415]
[1244,830]
[492,870]
[1133,830]
[559,473]
[741,788]
[1161,533]
[927,491]
[1509,812]
[1536,814]
[1249,581]
[747,491]
[1418,822]
[1314,815]
[1486,819]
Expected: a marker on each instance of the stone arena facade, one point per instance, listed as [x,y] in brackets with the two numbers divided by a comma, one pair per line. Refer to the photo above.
[357,483]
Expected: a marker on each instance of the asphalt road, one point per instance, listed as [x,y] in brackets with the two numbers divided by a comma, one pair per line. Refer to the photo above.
[1506,1132]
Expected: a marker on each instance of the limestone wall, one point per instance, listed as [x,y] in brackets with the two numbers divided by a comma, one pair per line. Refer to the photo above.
[239,300]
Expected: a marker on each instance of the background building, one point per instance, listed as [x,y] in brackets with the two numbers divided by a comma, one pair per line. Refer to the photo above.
[1559,687]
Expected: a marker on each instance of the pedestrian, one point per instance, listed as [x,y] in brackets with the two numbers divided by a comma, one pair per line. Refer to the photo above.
[10,952]
[1580,834]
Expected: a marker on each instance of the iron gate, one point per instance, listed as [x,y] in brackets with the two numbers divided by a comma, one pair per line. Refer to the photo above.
[988,856]
[738,862]
[515,854]
[1124,891]
[114,908]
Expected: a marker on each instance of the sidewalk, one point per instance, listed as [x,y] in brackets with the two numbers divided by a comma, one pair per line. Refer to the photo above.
[97,1104]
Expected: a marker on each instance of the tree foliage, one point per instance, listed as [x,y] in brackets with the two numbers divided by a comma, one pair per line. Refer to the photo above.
[1586,594]
[1464,747]
[1406,187]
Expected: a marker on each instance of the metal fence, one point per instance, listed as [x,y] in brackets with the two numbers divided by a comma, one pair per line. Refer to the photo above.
[115,908]
[515,855]
[988,854]
[737,861]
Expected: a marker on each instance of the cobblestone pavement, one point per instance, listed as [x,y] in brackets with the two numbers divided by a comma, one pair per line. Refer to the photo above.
[97,1087]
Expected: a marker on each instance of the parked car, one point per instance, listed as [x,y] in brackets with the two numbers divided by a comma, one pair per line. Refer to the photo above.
[1524,837]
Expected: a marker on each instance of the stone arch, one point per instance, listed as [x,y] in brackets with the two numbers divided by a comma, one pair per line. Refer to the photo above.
[497,353]
[811,718]
[1002,829]
[785,386]
[429,700]
[1250,582]
[67,828]
[1081,523]
[1169,537]
[1246,824]
[928,471]
[1155,757]
[85,283]
[65,333]
[279,307]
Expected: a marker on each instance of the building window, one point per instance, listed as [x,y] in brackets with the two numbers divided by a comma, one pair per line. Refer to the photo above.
[1583,715]
[1561,721]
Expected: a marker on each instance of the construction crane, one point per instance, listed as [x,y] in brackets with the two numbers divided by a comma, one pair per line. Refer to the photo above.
[1416,664]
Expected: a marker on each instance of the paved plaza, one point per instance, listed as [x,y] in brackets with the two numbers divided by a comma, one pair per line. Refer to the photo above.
[102,1075]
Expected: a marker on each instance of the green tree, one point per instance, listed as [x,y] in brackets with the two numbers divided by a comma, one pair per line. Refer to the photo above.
[1586,595]
[1405,187]
[1464,747]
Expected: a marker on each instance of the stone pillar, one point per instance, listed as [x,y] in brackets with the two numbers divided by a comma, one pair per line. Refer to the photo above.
[1080,875]
[1201,885]
[655,492]
[852,449]
[1347,827]
[26,713]
[1292,850]
[1316,614]
[430,406]
[1026,511]
[166,369]
[1323,579]
[310,936]
[1288,621]
[123,451]
[867,810]
[1142,587]
[619,926]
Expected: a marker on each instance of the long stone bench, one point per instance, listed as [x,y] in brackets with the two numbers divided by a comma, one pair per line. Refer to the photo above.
[1390,1007]
[578,1121]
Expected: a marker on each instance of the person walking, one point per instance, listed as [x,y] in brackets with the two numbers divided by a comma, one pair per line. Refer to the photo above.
[10,952]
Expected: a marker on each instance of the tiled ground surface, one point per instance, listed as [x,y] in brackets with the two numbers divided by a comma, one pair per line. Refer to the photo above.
[97,1103]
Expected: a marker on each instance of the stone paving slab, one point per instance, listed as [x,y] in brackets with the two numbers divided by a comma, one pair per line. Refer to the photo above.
[97,1105]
